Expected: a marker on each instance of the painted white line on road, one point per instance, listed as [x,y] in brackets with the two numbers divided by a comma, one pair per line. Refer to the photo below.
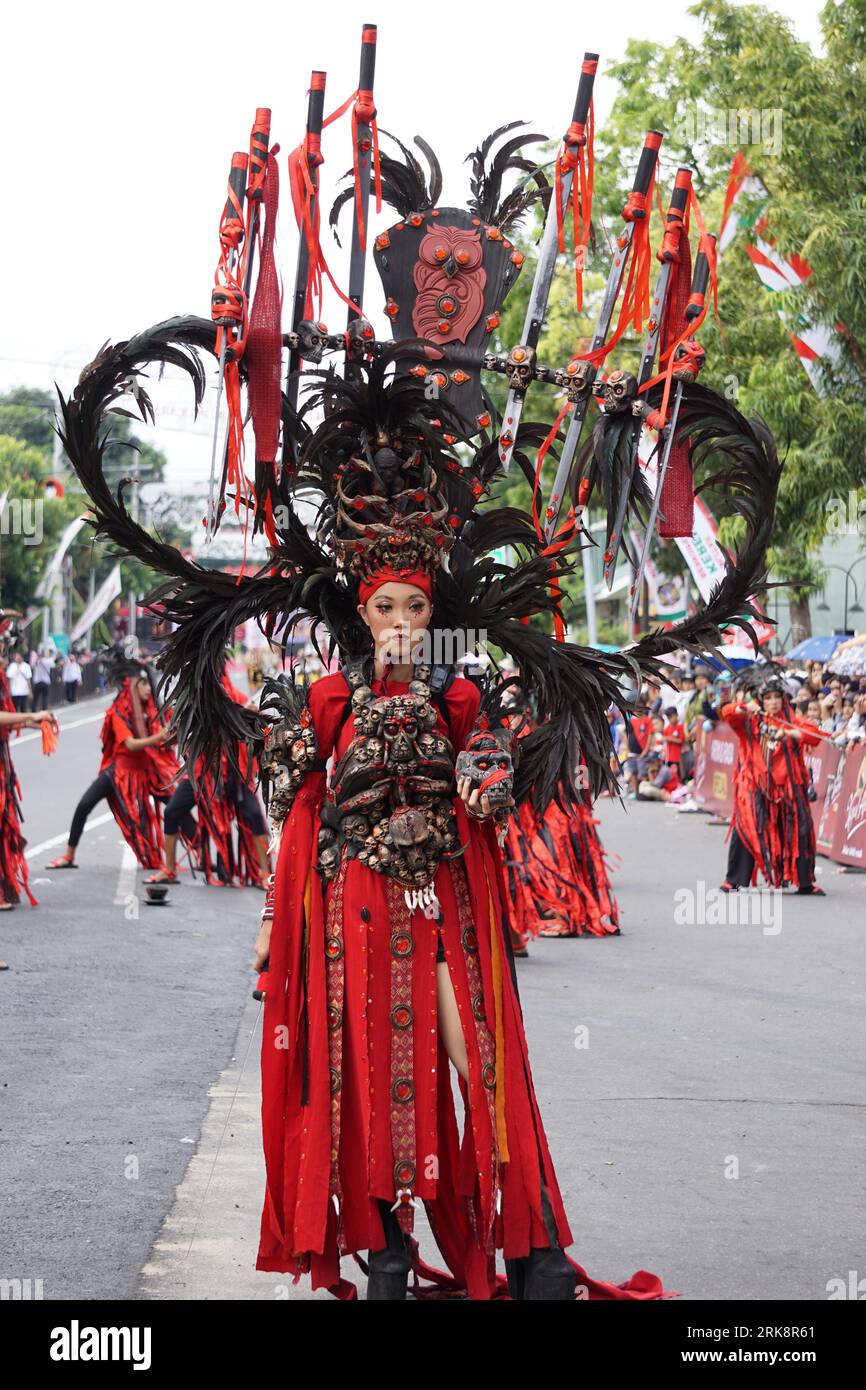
[73,724]
[126,878]
[64,838]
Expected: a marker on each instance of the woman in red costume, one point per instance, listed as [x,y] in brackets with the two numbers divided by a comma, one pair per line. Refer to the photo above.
[772,830]
[371,993]
[136,770]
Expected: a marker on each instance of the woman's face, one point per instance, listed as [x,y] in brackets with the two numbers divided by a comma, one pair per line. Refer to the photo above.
[772,702]
[398,616]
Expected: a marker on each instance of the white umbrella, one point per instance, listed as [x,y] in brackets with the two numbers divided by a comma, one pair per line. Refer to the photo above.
[850,661]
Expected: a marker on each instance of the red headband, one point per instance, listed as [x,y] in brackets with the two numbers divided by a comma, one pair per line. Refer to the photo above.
[419,579]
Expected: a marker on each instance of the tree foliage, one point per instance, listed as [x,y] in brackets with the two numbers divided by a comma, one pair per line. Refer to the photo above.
[810,155]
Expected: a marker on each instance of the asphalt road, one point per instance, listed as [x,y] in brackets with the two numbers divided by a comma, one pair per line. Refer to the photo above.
[114,1019]
[703,1086]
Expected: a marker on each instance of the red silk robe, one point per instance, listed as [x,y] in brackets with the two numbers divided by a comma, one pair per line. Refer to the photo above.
[330,1123]
[558,875]
[220,859]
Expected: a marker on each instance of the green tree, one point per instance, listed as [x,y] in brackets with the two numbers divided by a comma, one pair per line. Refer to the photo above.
[814,169]
[31,523]
[27,448]
[27,413]
[747,60]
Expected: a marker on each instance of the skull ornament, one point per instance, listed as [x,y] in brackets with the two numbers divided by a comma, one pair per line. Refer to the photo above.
[360,334]
[488,757]
[400,730]
[520,367]
[312,340]
[408,827]
[618,392]
[577,378]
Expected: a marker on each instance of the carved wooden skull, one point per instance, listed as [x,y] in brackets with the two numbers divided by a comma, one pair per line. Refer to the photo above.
[409,827]
[312,340]
[618,392]
[519,367]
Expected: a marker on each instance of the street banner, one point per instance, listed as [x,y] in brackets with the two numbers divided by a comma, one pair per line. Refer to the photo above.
[823,764]
[701,551]
[667,593]
[46,585]
[849,841]
[715,764]
[107,592]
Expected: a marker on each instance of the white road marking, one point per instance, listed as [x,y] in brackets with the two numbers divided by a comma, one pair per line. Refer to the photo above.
[73,724]
[64,838]
[126,877]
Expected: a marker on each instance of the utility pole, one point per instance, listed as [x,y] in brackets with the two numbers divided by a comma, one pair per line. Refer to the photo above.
[132,594]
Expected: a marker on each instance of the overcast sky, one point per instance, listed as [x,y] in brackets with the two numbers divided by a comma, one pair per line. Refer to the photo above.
[118,123]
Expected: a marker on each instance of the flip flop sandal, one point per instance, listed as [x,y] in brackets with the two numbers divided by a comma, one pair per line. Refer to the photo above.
[62,863]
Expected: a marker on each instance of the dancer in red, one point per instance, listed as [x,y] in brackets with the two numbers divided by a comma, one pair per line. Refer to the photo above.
[772,831]
[558,882]
[224,802]
[13,865]
[137,767]
[377,987]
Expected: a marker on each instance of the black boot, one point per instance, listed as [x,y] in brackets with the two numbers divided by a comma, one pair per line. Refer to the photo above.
[515,1271]
[389,1268]
[548,1276]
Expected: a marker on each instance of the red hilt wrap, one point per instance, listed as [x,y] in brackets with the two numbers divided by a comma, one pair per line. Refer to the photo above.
[676,220]
[704,264]
[232,223]
[260,137]
[576,156]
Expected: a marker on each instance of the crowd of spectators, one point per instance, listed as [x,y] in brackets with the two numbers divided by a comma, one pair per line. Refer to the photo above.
[655,749]
[837,704]
[31,676]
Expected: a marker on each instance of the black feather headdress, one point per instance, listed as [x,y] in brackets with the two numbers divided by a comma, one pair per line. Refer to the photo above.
[379,434]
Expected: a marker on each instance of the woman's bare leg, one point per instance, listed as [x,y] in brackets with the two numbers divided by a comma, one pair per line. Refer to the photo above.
[450,1027]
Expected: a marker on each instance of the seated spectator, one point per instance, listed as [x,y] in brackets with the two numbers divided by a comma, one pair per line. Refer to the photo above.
[638,735]
[675,740]
[661,779]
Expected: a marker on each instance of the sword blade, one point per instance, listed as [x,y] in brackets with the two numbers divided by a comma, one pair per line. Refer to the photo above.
[654,510]
[575,428]
[645,372]
[210,528]
[538,297]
